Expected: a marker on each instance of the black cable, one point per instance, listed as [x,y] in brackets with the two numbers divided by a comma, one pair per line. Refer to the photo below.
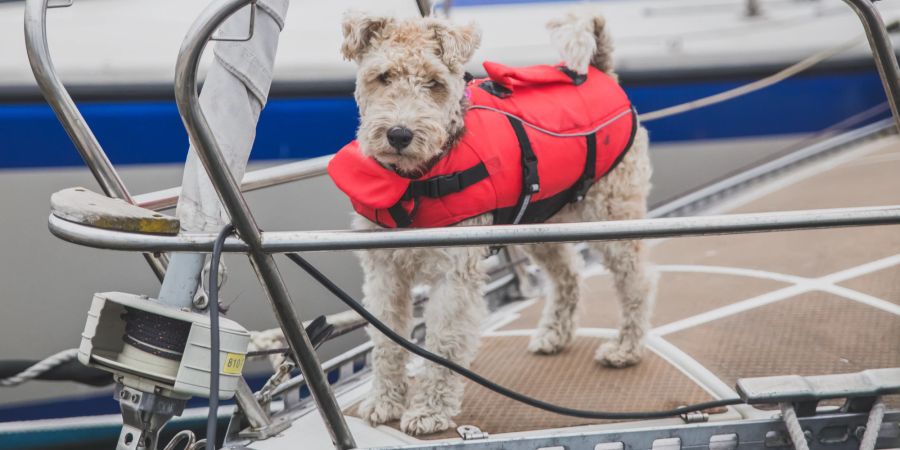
[212,415]
[540,404]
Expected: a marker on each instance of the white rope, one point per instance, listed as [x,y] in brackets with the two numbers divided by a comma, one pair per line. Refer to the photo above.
[751,87]
[706,101]
[40,367]
[270,339]
[793,425]
[876,415]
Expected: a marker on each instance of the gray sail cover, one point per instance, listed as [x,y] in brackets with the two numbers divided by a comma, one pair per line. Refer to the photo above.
[235,91]
[233,95]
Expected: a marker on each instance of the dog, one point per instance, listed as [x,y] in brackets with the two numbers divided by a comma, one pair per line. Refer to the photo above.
[411,78]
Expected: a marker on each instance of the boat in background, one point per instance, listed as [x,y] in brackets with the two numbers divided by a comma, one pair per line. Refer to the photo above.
[667,53]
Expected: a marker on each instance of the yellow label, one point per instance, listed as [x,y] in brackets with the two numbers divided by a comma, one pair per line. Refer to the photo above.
[234,363]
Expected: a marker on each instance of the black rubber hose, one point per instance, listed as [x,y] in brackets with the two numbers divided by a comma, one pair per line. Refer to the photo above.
[213,414]
[540,404]
[68,371]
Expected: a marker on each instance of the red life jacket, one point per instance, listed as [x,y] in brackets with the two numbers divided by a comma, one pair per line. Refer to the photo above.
[536,139]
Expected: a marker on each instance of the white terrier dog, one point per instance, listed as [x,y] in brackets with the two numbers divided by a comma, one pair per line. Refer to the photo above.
[412,99]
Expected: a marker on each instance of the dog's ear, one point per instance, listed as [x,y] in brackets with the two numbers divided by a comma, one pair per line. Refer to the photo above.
[359,32]
[457,43]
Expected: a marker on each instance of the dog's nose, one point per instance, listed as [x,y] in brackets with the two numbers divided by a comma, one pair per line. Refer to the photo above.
[399,137]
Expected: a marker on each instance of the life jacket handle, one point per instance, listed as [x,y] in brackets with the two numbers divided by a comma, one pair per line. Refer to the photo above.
[503,80]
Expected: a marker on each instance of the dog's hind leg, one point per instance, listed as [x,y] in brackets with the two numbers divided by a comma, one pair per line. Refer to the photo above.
[452,318]
[622,195]
[557,325]
[386,291]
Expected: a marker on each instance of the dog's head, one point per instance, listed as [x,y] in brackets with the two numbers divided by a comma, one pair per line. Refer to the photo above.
[409,87]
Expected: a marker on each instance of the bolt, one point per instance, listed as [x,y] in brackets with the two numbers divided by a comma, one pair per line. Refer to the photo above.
[135,397]
[808,435]
[859,432]
[123,394]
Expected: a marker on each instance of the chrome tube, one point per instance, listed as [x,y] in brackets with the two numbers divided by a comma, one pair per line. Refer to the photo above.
[71,119]
[258,179]
[303,241]
[229,193]
[882,51]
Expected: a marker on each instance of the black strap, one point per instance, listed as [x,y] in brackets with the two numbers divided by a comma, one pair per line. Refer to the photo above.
[531,183]
[590,170]
[577,78]
[496,89]
[401,218]
[442,185]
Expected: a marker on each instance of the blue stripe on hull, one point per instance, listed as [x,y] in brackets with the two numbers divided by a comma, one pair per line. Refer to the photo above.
[149,132]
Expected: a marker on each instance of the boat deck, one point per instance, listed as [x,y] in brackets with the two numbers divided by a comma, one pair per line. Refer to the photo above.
[728,307]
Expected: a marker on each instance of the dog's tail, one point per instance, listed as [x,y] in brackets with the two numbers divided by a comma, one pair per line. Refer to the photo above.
[581,39]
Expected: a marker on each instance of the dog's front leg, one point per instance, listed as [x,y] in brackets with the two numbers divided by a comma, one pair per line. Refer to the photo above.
[386,291]
[636,285]
[452,318]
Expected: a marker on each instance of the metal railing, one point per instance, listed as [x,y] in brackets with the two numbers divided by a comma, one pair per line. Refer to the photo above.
[229,191]
[260,246]
[255,180]
[71,119]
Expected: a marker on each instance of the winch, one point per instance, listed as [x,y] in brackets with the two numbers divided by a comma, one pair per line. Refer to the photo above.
[160,357]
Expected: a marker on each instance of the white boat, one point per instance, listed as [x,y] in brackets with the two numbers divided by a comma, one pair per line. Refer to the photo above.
[656,66]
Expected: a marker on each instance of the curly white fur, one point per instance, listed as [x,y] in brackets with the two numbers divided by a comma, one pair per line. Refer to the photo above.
[411,75]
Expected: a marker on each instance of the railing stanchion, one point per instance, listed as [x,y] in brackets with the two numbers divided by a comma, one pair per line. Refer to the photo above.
[882,50]
[230,194]
[69,116]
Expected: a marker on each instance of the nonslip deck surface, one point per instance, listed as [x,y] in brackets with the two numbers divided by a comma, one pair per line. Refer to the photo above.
[800,302]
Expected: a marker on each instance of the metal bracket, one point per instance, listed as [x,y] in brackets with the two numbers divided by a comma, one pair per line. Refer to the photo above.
[695,417]
[60,3]
[143,416]
[250,32]
[471,433]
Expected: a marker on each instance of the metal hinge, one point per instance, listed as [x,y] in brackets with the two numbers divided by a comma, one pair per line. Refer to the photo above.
[471,433]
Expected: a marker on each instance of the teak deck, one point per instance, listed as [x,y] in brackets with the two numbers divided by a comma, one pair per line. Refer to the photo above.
[801,302]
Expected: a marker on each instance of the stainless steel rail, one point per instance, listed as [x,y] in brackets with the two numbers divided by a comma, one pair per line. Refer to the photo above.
[301,241]
[257,179]
[71,119]
[229,192]
[882,50]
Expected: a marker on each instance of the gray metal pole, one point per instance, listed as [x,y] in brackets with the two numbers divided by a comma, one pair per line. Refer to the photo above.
[230,194]
[304,241]
[882,50]
[69,116]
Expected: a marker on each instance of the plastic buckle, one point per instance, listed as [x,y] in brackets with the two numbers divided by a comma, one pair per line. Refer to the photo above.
[530,180]
[443,185]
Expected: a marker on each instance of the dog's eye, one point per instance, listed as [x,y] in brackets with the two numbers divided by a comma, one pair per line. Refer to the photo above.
[434,84]
[384,78]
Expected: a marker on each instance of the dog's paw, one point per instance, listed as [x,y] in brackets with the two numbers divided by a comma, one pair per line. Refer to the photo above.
[378,409]
[613,354]
[425,421]
[547,341]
